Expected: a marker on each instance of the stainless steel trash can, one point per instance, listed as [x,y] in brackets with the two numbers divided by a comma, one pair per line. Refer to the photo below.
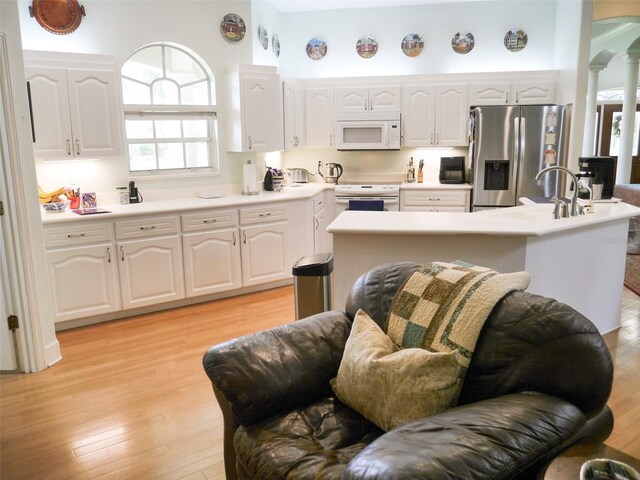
[312,284]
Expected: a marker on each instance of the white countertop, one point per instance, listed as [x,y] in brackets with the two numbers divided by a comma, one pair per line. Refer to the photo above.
[435,186]
[527,220]
[182,205]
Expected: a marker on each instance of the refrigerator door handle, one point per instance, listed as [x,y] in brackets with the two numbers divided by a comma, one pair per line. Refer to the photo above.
[516,142]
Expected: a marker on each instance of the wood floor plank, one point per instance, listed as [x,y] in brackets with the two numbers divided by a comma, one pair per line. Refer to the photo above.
[130,398]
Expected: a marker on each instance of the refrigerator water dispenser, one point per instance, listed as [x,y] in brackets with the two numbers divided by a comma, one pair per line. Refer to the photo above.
[496,175]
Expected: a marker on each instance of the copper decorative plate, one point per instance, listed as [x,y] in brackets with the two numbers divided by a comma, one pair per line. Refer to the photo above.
[57,16]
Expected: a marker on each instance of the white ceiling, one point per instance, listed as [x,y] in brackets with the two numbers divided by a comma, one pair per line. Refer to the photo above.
[315,5]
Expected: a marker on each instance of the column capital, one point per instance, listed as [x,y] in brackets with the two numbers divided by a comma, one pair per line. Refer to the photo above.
[633,55]
[596,68]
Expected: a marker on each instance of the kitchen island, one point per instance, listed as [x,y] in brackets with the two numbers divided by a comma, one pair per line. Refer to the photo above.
[578,260]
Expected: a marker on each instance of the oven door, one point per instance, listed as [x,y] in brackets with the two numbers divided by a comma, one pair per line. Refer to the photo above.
[391,204]
[362,135]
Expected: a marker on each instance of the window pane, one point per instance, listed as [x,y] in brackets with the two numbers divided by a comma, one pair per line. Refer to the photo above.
[168,129]
[181,67]
[195,94]
[139,129]
[135,93]
[142,157]
[170,155]
[197,154]
[165,92]
[144,65]
[616,123]
[195,128]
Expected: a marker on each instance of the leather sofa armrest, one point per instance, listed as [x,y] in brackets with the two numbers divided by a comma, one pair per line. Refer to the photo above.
[492,439]
[277,370]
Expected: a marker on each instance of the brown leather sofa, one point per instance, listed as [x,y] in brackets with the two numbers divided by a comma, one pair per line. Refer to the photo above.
[538,382]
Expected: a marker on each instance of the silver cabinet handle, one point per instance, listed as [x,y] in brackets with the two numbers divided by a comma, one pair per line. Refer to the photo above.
[152,227]
[431,141]
[244,237]
[76,235]
[517,97]
[213,220]
[365,104]
[438,138]
[77,147]
[435,199]
[250,142]
[121,253]
[234,238]
[68,147]
[268,214]
[108,254]
[331,140]
[317,224]
[371,104]
[507,98]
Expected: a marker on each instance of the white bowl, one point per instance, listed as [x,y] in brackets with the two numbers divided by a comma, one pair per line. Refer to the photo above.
[601,464]
[56,207]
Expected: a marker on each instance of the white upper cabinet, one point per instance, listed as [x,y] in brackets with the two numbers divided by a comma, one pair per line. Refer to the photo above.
[254,111]
[435,115]
[512,92]
[368,99]
[293,100]
[319,117]
[76,113]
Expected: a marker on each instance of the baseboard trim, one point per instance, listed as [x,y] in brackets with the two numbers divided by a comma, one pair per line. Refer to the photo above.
[52,353]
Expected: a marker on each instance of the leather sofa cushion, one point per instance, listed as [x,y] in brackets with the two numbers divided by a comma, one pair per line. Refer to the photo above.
[316,441]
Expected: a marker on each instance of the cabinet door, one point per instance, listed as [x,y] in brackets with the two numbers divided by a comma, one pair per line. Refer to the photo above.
[452,115]
[50,112]
[534,93]
[385,99]
[489,93]
[150,271]
[319,119]
[319,228]
[418,116]
[289,109]
[299,118]
[211,262]
[256,93]
[84,281]
[264,254]
[352,100]
[95,113]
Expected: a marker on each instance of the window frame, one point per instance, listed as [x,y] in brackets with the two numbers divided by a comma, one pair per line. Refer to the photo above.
[174,112]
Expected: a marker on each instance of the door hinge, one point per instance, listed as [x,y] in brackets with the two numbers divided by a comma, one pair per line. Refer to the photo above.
[12,320]
[1,208]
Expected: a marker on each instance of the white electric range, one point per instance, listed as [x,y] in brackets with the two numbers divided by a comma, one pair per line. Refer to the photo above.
[367,197]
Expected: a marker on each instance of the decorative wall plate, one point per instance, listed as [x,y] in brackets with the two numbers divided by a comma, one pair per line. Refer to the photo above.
[366,46]
[462,42]
[316,49]
[232,27]
[412,45]
[263,36]
[57,16]
[275,45]
[515,40]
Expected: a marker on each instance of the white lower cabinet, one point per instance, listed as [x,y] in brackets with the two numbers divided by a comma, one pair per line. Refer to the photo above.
[211,262]
[434,200]
[319,227]
[264,253]
[84,281]
[150,271]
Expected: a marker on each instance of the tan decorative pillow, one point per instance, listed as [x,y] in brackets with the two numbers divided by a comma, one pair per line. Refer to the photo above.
[389,386]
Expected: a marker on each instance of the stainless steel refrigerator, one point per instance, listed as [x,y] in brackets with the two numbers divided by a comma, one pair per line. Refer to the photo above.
[509,146]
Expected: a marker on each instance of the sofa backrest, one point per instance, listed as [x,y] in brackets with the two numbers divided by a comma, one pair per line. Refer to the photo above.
[528,343]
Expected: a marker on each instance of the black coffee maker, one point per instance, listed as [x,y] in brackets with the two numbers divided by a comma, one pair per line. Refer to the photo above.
[598,170]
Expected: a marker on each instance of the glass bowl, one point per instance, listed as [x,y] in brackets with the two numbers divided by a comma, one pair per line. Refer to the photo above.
[56,207]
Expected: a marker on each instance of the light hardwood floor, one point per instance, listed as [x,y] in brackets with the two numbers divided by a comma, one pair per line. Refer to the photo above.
[130,398]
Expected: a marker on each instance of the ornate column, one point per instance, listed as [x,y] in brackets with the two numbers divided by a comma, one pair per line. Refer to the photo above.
[623,174]
[591,109]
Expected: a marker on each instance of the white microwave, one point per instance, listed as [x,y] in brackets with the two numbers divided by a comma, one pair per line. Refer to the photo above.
[373,131]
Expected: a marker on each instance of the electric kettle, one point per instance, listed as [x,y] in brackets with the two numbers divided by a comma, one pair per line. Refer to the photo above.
[334,172]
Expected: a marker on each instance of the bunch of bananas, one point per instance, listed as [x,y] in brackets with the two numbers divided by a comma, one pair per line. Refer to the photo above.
[53,196]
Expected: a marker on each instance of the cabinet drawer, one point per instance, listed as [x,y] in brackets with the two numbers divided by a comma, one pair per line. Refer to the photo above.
[423,208]
[318,203]
[435,197]
[197,222]
[146,227]
[77,234]
[268,213]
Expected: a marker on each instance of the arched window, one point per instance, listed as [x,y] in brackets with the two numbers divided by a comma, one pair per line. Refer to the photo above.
[170,112]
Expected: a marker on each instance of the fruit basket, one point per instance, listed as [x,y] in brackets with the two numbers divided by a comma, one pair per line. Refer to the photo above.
[57,207]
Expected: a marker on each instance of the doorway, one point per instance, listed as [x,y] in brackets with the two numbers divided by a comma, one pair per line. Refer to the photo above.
[610,136]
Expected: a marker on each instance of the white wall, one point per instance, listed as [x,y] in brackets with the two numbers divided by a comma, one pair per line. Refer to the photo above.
[436,23]
[118,28]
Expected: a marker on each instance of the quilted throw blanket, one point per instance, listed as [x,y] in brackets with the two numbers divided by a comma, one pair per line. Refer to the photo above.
[443,306]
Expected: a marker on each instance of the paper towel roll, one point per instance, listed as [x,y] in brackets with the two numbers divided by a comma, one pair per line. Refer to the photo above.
[250,181]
